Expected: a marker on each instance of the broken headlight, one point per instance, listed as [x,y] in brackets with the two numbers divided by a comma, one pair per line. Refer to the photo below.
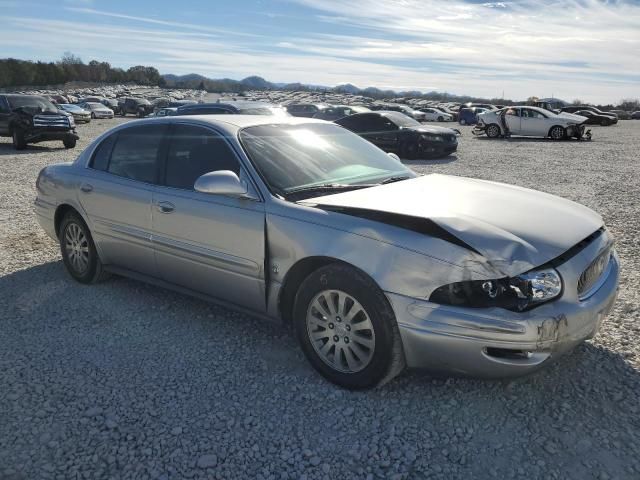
[519,293]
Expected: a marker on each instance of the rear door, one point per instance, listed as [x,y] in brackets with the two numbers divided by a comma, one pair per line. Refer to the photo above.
[512,117]
[117,194]
[5,112]
[209,243]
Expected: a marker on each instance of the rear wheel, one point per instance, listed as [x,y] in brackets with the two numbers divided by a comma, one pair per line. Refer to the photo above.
[19,143]
[79,253]
[463,121]
[347,329]
[493,131]
[557,133]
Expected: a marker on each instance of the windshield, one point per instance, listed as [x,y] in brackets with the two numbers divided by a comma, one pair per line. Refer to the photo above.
[71,108]
[402,120]
[289,157]
[31,103]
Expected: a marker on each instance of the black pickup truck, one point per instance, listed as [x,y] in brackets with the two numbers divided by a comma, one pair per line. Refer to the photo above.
[32,119]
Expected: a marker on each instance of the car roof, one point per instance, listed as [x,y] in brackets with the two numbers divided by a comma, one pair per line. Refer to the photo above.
[232,123]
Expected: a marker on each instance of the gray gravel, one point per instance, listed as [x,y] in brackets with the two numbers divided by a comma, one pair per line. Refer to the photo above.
[124,380]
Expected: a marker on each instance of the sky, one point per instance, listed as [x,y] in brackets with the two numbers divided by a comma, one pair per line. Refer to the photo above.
[573,49]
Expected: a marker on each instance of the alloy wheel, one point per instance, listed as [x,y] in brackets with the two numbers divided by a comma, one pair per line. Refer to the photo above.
[340,331]
[77,247]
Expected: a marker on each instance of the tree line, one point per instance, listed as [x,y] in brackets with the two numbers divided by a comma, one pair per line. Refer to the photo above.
[69,68]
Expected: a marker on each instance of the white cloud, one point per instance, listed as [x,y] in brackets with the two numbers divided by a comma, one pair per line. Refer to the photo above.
[523,48]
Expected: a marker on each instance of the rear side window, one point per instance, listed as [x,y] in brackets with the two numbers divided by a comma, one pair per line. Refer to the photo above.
[101,155]
[135,153]
[194,151]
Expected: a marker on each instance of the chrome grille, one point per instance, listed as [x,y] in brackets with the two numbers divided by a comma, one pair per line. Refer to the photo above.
[593,273]
[51,121]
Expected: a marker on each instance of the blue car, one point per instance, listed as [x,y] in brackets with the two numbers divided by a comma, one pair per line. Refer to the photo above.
[469,116]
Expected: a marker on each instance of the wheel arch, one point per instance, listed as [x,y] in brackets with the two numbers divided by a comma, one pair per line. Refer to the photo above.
[296,275]
[61,212]
[555,126]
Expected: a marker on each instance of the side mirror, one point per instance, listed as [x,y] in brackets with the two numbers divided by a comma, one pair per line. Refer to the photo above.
[221,182]
[394,156]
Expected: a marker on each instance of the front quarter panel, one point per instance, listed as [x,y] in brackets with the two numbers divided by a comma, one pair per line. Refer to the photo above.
[398,260]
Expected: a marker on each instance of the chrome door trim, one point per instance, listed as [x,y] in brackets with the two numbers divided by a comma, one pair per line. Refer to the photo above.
[211,257]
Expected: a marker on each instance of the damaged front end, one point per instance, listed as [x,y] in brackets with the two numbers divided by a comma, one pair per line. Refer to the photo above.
[578,131]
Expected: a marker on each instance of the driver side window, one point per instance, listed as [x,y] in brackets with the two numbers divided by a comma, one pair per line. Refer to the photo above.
[194,151]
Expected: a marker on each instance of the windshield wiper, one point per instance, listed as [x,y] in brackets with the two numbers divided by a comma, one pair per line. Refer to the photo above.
[395,179]
[326,187]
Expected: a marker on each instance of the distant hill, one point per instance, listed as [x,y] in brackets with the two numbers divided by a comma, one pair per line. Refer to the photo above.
[255,82]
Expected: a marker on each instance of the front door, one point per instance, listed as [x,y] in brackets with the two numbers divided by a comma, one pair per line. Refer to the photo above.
[116,194]
[213,244]
[534,123]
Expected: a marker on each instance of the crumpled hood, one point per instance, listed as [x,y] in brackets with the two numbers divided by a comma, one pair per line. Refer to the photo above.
[433,129]
[514,228]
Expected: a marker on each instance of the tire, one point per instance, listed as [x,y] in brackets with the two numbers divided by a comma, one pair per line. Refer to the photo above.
[493,130]
[463,121]
[123,112]
[409,150]
[140,114]
[605,123]
[79,253]
[557,133]
[69,143]
[93,115]
[441,119]
[368,356]
[19,143]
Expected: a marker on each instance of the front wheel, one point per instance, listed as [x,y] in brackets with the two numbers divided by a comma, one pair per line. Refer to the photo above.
[605,123]
[69,143]
[441,119]
[79,253]
[557,133]
[493,131]
[347,329]
[19,143]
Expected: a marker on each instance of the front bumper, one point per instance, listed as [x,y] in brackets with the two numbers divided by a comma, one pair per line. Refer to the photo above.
[473,342]
[45,134]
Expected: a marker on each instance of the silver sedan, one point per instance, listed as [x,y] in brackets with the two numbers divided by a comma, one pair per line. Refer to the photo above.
[301,220]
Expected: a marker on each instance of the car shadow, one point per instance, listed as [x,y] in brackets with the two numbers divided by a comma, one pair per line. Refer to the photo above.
[6,149]
[430,161]
[518,139]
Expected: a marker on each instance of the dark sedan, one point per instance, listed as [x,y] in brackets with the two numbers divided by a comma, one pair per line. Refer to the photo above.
[595,118]
[610,117]
[398,133]
[240,107]
[336,112]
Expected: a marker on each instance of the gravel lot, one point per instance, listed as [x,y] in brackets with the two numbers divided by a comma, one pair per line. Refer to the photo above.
[124,380]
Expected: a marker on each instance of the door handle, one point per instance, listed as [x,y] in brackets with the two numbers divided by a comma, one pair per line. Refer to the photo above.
[165,207]
[86,188]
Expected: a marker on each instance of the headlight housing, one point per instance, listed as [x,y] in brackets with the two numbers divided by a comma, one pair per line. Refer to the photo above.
[517,294]
[433,138]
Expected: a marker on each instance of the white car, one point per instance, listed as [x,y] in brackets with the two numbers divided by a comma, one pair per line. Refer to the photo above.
[435,115]
[532,122]
[97,110]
